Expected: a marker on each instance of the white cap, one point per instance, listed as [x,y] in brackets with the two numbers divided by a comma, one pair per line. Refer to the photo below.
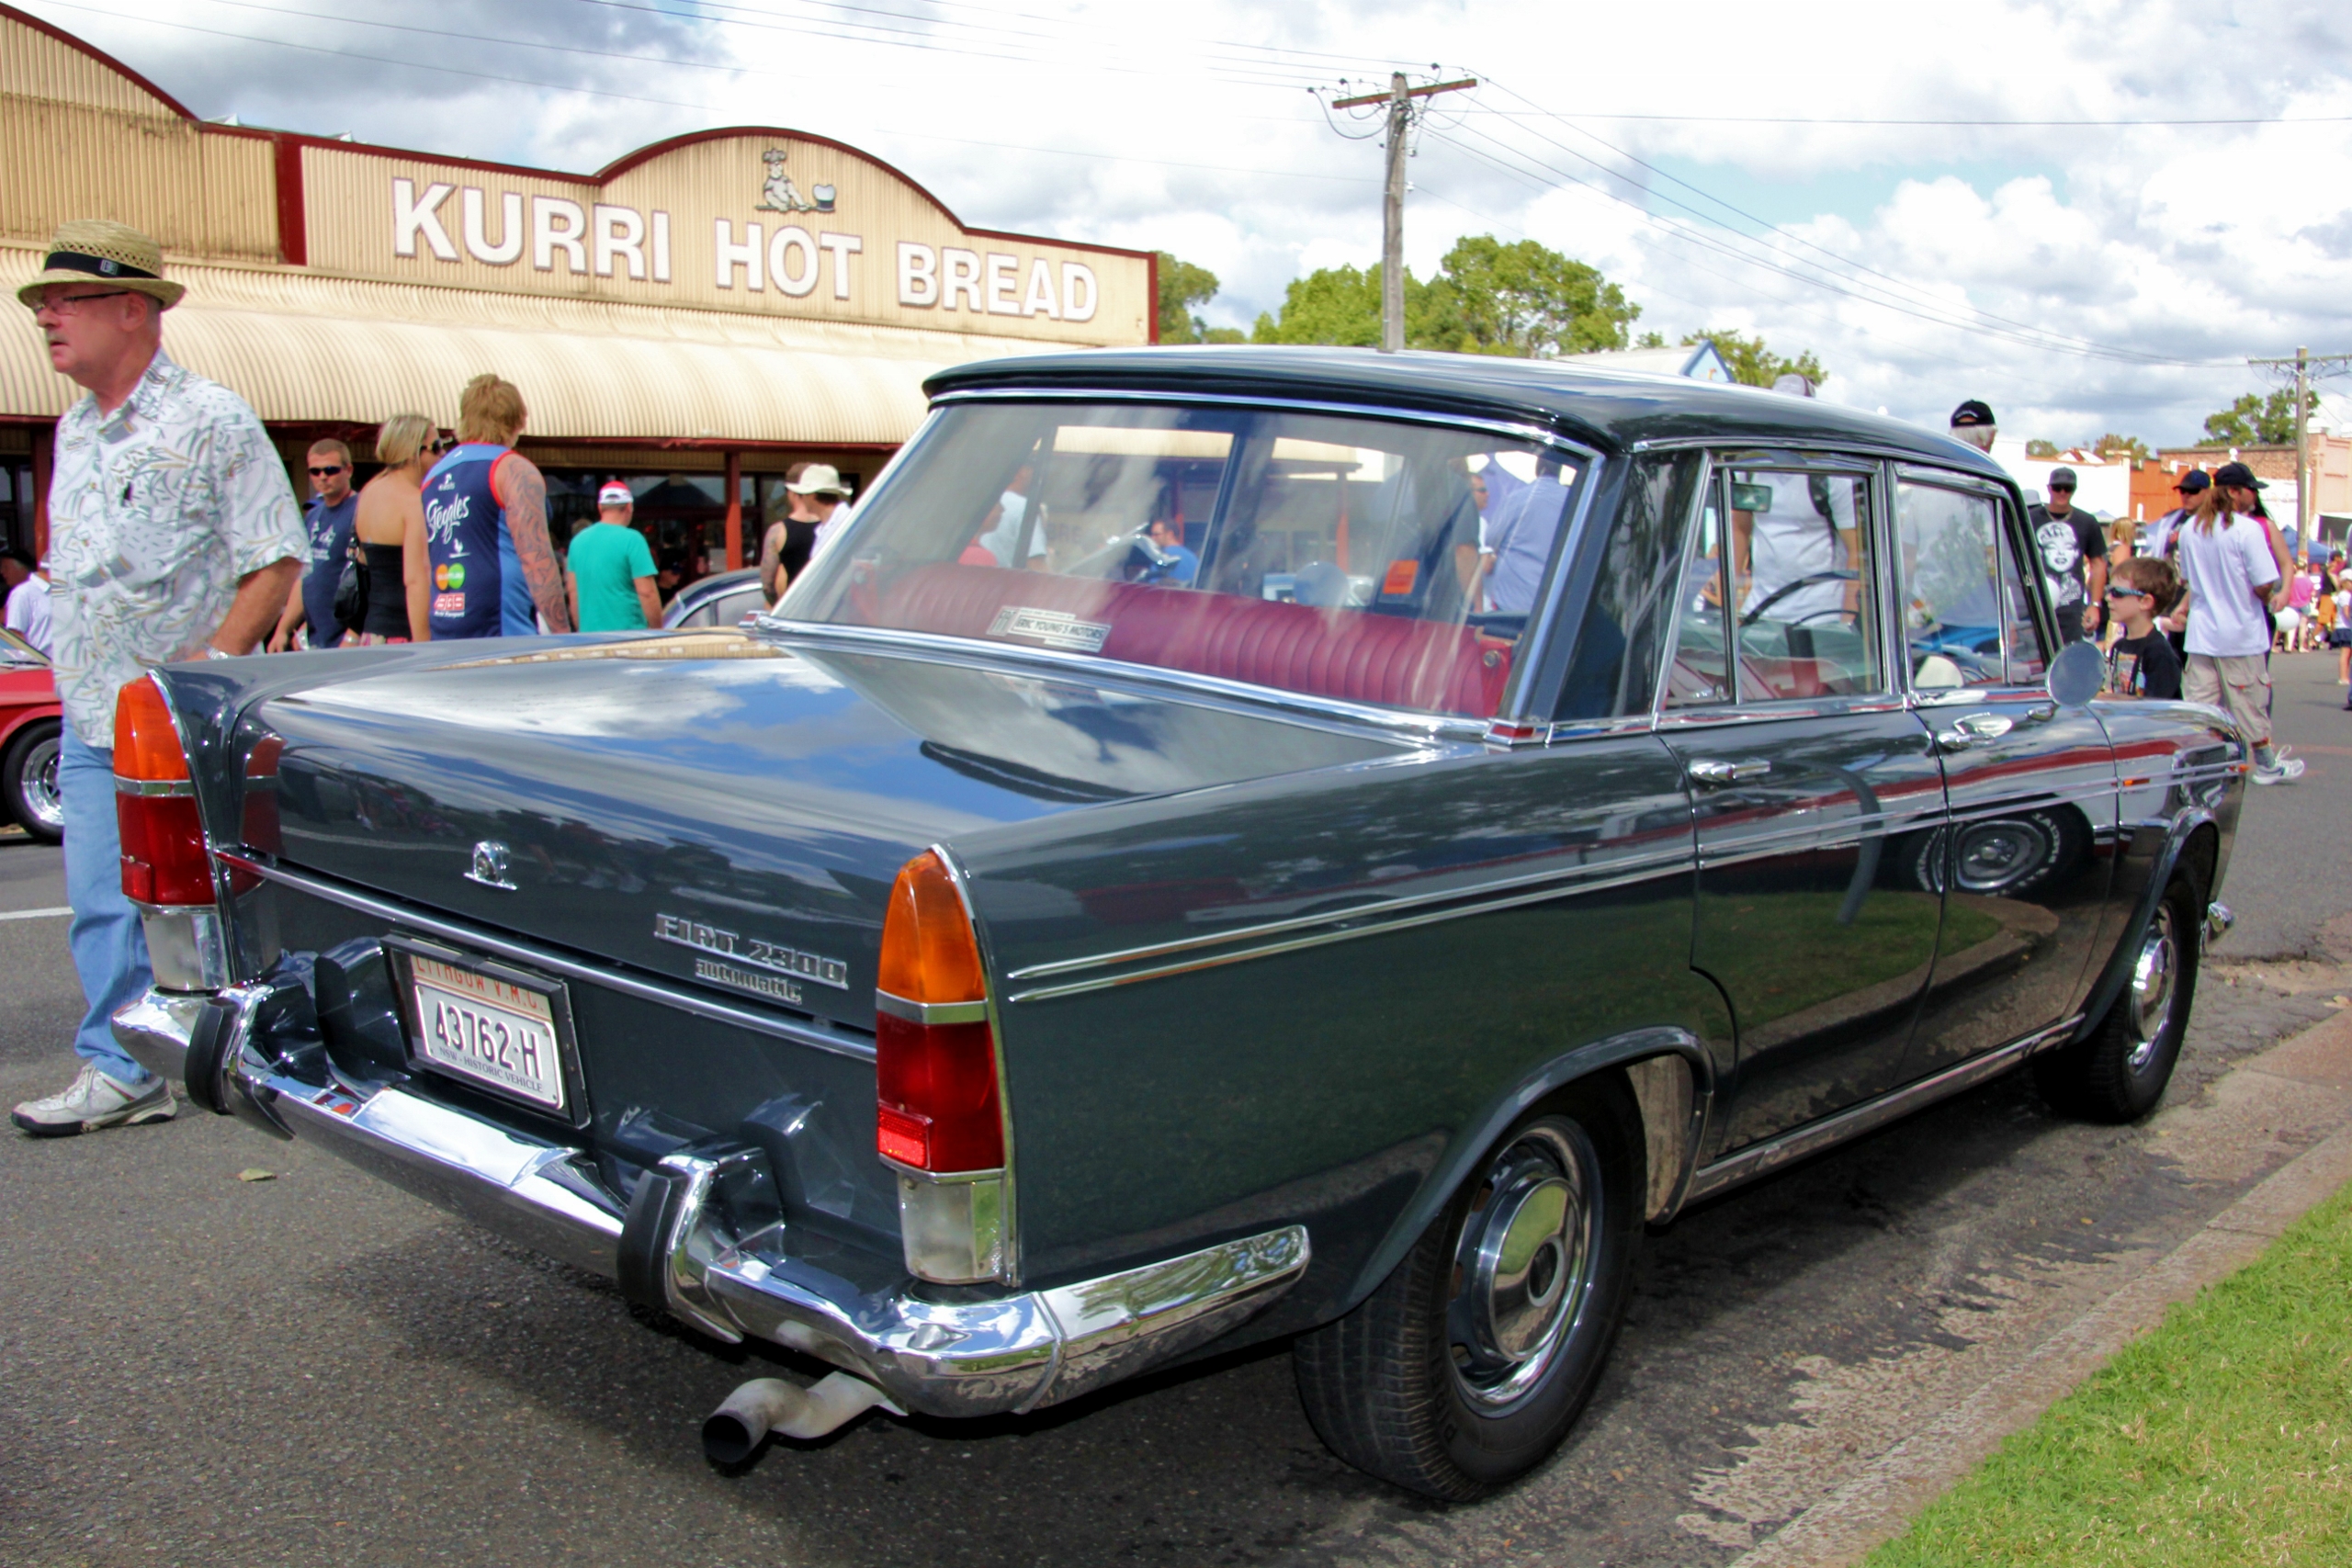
[615,494]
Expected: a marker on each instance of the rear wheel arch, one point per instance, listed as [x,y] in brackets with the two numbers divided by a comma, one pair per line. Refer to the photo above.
[1655,1090]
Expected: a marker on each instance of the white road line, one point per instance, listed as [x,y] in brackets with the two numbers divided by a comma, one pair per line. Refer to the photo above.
[36,914]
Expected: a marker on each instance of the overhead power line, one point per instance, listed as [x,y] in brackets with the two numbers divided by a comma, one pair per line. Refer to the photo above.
[1904,298]
[703,105]
[1962,124]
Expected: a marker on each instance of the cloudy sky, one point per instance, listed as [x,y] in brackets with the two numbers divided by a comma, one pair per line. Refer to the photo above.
[2088,216]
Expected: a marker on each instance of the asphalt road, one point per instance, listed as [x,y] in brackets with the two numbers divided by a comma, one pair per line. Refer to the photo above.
[313,1369]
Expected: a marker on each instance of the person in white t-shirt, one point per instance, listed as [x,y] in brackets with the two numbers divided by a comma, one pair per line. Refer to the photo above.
[28,609]
[1807,531]
[2225,555]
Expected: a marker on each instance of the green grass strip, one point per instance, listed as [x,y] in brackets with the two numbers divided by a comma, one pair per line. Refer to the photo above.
[2224,1437]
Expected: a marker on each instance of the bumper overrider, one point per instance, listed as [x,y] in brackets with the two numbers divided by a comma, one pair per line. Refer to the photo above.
[704,1236]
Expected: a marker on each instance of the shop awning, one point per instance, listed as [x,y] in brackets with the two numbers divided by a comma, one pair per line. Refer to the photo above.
[307,349]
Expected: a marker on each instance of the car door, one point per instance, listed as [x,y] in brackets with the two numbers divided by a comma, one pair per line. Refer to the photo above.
[1804,767]
[2023,861]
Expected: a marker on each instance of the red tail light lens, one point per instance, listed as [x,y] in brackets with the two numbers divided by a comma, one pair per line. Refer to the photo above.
[935,1059]
[163,859]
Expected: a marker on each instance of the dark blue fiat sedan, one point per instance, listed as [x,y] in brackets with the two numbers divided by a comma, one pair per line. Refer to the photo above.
[1225,844]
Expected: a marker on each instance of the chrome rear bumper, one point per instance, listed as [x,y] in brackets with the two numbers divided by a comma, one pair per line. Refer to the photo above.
[674,1244]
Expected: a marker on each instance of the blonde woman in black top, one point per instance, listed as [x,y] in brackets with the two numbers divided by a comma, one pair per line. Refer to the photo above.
[391,530]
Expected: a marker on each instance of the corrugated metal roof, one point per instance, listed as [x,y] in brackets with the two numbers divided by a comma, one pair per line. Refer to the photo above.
[300,347]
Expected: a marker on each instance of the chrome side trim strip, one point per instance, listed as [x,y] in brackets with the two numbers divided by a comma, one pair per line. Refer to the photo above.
[1757,1160]
[815,1035]
[1671,860]
[1322,938]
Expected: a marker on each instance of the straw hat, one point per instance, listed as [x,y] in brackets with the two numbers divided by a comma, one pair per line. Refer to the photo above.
[92,250]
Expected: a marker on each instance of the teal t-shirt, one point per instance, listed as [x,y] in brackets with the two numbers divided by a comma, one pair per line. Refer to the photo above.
[608,559]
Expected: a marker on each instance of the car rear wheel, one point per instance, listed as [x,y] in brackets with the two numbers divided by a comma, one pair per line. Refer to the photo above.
[1470,1362]
[29,792]
[2119,1073]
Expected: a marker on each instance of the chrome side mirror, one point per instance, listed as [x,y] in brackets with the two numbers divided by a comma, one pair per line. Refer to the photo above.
[2076,674]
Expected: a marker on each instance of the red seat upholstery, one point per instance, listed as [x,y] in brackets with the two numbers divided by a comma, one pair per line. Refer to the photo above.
[1386,660]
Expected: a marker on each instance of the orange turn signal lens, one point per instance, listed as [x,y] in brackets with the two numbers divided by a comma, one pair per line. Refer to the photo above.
[146,741]
[928,950]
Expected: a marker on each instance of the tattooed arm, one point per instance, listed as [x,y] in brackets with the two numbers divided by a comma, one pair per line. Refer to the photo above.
[520,489]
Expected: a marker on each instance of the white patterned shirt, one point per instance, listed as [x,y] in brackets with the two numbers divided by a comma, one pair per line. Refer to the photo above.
[155,511]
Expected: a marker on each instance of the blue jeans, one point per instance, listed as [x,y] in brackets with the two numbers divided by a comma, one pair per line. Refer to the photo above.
[109,947]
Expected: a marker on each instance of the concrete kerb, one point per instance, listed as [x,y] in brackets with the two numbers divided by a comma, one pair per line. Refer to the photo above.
[1875,1506]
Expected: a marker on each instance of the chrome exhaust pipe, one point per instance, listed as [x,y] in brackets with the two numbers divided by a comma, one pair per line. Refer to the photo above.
[771,1405]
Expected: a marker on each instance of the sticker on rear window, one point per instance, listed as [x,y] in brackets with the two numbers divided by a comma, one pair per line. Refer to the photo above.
[1055,628]
[1402,575]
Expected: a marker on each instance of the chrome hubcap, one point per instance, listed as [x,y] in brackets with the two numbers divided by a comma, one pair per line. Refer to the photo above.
[41,799]
[1522,1264]
[2152,982]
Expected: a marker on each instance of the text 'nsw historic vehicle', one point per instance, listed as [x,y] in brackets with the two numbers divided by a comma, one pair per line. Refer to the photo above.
[1229,844]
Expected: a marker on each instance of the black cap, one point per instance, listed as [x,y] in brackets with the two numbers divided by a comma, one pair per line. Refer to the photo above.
[2237,474]
[1972,412]
[2194,482]
[2064,479]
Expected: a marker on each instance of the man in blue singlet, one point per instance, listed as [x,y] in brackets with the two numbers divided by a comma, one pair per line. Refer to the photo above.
[494,571]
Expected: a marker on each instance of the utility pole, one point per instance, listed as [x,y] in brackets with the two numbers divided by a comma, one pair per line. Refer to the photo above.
[1399,99]
[2303,365]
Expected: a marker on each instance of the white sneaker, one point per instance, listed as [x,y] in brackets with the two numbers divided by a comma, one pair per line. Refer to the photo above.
[94,1101]
[2283,769]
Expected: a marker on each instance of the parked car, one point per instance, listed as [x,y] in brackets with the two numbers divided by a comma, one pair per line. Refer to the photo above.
[1233,892]
[30,722]
[722,599]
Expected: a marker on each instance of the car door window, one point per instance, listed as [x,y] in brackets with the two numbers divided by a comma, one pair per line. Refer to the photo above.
[1788,551]
[1951,560]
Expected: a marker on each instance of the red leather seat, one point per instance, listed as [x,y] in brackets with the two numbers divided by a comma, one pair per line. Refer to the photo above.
[1386,660]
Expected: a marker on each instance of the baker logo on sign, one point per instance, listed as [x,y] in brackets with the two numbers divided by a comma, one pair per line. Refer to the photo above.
[778,194]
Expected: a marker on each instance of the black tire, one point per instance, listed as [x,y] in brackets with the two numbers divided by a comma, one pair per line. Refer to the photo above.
[29,794]
[2119,1071]
[1469,1363]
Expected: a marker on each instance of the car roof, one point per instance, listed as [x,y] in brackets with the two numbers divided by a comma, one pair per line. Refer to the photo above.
[1613,409]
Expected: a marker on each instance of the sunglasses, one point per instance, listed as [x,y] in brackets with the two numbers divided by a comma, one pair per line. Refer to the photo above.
[2062,489]
[330,468]
[2126,593]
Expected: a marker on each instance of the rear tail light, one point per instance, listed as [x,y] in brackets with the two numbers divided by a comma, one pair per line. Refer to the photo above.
[163,858]
[936,1058]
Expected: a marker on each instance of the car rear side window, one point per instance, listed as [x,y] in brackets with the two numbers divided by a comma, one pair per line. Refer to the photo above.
[1952,563]
[1392,563]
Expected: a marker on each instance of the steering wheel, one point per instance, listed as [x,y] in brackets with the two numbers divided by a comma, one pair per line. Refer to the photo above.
[1810,580]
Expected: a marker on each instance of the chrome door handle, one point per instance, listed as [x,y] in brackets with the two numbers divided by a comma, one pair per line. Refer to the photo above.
[1714,775]
[1970,728]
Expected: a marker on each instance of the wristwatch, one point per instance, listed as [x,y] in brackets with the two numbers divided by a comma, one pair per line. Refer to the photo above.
[212,652]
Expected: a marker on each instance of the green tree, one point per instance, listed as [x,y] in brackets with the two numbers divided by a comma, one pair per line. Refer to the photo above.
[1526,300]
[1753,364]
[2254,420]
[1340,306]
[2038,447]
[1181,286]
[2113,445]
[1651,340]
[1488,297]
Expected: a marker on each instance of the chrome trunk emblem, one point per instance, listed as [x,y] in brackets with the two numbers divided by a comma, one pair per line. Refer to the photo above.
[490,866]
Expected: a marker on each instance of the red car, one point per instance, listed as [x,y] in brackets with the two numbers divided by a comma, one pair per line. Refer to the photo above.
[30,722]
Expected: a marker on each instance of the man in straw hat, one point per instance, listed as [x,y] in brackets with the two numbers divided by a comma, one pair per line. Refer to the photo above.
[173,534]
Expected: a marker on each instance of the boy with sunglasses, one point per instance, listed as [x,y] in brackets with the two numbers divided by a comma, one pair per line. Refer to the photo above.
[2142,662]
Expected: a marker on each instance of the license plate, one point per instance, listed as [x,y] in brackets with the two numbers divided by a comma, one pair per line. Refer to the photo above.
[489,1030]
